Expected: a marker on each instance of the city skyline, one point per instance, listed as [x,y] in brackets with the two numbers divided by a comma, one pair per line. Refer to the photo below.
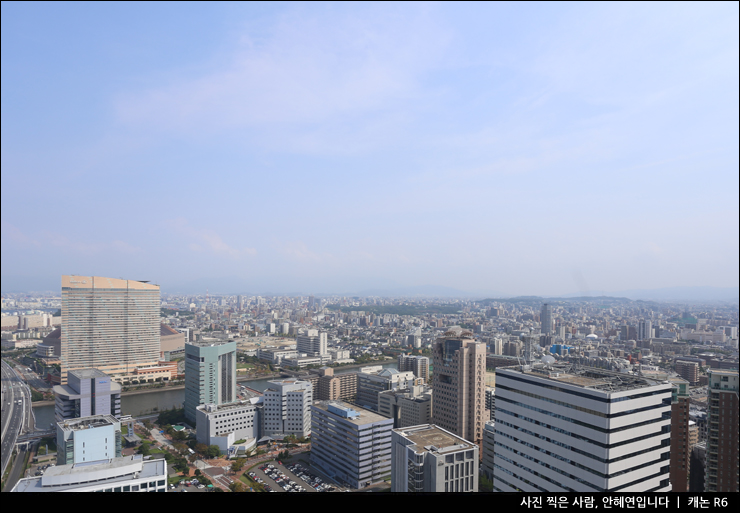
[495,149]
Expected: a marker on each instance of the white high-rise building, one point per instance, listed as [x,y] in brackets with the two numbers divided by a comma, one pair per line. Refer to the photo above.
[311,343]
[109,324]
[88,439]
[287,407]
[558,429]
[87,392]
[419,365]
[644,330]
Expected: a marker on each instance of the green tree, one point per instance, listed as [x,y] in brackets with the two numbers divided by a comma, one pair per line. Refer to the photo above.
[237,465]
[484,484]
[213,451]
[237,487]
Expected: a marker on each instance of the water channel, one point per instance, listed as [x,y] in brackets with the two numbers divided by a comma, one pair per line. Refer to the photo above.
[141,404]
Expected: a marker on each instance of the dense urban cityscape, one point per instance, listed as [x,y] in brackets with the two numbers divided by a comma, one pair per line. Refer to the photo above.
[372,247]
[583,394]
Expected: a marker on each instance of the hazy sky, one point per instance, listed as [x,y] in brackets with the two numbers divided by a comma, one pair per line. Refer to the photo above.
[496,148]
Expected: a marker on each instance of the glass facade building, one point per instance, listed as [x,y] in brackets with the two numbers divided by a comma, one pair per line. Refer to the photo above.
[210,375]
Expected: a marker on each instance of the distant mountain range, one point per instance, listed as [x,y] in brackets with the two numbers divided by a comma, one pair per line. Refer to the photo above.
[234,285]
[676,294]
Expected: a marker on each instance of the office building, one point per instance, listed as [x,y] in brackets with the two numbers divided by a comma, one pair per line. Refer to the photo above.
[373,380]
[419,365]
[108,324]
[644,330]
[301,362]
[124,474]
[680,435]
[87,392]
[276,355]
[210,375]
[427,458]
[222,425]
[490,402]
[459,384]
[88,439]
[487,449]
[311,343]
[351,445]
[408,406]
[721,470]
[563,429]
[287,404]
[546,319]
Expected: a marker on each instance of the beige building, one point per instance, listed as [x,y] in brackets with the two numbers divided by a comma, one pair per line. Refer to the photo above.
[170,339]
[109,324]
[328,386]
[459,384]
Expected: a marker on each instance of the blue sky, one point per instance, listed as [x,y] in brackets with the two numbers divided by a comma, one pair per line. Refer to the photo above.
[500,148]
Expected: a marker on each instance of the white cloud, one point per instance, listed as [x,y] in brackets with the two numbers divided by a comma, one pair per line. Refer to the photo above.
[206,239]
[344,72]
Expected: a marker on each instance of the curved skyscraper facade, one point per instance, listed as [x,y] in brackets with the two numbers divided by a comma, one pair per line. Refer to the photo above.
[109,324]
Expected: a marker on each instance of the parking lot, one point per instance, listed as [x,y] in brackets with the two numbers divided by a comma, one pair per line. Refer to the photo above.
[288,477]
[191,485]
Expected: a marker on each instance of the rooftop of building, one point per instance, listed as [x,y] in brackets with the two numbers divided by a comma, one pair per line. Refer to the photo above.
[417,393]
[93,421]
[117,470]
[99,282]
[723,372]
[57,333]
[288,381]
[458,332]
[166,331]
[218,408]
[587,377]
[363,416]
[431,438]
[88,373]
[210,343]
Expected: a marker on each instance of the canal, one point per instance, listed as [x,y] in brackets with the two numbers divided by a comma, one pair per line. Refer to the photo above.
[150,402]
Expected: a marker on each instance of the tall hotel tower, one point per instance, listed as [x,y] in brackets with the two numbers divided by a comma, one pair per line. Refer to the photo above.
[459,385]
[108,324]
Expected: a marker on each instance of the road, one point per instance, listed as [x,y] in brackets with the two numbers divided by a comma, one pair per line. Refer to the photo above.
[16,409]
